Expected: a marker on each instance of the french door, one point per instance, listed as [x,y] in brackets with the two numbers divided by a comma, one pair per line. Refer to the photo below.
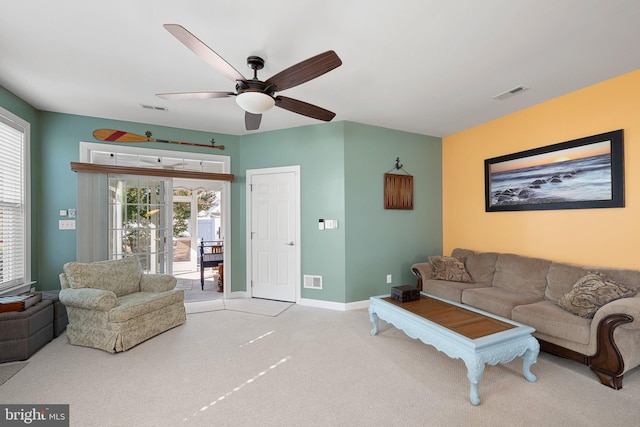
[185,241]
[139,221]
[196,217]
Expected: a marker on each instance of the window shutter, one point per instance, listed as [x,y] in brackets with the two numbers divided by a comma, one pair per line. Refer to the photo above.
[12,203]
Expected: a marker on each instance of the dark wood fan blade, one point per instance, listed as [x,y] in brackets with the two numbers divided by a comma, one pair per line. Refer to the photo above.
[195,95]
[304,71]
[252,121]
[304,108]
[203,51]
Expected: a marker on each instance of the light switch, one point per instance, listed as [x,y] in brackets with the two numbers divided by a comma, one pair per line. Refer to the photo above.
[331,224]
[72,213]
[63,212]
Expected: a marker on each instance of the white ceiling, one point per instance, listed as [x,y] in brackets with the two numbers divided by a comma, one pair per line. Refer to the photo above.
[426,66]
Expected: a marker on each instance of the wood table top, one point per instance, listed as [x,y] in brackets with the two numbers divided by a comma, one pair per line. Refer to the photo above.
[465,322]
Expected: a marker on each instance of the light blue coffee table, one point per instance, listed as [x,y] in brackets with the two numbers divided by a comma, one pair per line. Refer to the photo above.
[461,332]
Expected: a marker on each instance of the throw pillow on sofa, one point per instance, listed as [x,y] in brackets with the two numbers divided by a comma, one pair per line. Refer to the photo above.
[591,292]
[449,268]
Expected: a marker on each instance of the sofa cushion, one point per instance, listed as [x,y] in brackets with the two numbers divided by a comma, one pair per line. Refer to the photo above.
[496,300]
[480,265]
[120,276]
[139,303]
[521,274]
[560,279]
[562,276]
[449,268]
[546,317]
[625,277]
[592,292]
[448,290]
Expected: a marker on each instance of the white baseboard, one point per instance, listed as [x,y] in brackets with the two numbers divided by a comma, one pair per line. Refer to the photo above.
[340,306]
[238,294]
[218,304]
[358,305]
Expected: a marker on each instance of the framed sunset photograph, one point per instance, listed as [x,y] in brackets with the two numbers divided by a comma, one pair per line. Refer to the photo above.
[580,174]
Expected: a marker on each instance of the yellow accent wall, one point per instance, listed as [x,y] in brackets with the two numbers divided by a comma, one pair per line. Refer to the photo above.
[594,237]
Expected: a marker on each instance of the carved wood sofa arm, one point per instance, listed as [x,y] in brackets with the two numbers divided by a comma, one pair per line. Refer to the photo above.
[608,363]
[420,270]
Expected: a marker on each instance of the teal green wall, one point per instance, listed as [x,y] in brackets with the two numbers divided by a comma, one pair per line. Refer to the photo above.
[387,241]
[61,137]
[341,172]
[319,150]
[20,108]
[342,167]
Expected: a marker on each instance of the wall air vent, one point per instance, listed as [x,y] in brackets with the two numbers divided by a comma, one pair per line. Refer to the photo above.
[153,107]
[312,282]
[510,93]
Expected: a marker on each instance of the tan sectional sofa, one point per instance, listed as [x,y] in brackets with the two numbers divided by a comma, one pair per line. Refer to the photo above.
[528,290]
[113,306]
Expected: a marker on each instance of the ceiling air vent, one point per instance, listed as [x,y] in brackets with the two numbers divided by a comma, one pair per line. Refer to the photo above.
[510,93]
[153,107]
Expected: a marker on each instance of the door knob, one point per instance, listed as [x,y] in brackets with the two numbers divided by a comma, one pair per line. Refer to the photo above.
[289,244]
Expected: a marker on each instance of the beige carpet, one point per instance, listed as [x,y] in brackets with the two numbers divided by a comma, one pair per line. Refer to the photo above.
[307,367]
[9,369]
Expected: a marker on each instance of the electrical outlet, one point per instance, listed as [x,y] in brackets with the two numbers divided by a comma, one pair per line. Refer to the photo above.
[389,279]
[67,224]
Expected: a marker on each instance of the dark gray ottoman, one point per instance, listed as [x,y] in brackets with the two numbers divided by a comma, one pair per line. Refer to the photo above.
[22,333]
[60,319]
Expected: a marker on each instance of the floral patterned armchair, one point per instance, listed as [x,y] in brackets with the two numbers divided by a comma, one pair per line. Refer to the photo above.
[113,306]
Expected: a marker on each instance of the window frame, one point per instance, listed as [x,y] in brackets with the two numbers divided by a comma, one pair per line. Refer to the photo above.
[23,284]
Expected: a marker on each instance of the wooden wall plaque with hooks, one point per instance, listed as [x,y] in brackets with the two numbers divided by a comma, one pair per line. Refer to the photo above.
[398,191]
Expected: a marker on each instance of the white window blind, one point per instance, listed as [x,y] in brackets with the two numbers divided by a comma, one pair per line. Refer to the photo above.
[14,133]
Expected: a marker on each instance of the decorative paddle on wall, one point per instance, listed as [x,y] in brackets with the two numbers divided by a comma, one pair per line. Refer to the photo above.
[120,136]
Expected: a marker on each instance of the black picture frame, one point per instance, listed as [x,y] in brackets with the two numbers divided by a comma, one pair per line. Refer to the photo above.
[583,173]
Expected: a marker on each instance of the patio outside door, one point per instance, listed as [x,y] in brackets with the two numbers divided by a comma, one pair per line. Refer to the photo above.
[274,233]
[185,233]
[138,222]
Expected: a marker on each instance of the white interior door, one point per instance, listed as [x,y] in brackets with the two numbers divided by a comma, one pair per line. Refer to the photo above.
[273,234]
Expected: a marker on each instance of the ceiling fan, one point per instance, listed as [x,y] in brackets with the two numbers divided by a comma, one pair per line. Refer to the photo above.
[256,96]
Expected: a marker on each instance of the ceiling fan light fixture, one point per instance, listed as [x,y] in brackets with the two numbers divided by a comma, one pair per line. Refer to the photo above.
[255,102]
